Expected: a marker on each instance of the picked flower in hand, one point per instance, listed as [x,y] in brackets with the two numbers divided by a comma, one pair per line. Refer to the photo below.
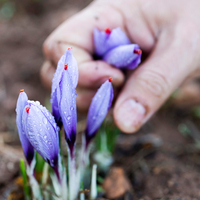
[114,47]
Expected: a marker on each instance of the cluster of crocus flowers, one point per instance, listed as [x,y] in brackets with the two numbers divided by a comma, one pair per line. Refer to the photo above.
[115,48]
[38,128]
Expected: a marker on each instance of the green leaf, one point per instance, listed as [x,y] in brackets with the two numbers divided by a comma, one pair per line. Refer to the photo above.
[25,181]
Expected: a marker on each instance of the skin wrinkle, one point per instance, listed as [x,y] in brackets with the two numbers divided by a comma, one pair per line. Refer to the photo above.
[157,84]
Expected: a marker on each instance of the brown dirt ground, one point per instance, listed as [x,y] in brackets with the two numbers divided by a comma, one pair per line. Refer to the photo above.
[171,171]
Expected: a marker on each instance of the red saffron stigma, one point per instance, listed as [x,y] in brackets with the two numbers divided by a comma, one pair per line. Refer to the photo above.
[107,30]
[66,66]
[27,109]
[110,79]
[21,90]
[69,48]
[137,51]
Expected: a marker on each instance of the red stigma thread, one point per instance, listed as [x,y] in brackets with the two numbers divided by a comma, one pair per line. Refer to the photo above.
[21,90]
[69,48]
[137,51]
[66,66]
[107,30]
[27,109]
[110,79]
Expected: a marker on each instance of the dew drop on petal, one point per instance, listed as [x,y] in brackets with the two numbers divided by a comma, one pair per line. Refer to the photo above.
[37,103]
[44,120]
[69,117]
[50,143]
[72,108]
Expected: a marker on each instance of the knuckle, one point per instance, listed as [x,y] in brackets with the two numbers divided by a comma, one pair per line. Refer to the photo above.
[154,83]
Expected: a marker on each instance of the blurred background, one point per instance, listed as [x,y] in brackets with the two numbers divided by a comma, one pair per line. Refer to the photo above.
[161,161]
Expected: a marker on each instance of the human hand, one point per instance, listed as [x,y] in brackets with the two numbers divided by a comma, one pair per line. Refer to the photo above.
[167,30]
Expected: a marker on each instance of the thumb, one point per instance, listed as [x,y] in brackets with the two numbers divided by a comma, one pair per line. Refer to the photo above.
[152,83]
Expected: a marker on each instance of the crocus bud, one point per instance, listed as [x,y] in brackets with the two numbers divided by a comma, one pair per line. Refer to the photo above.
[26,145]
[114,47]
[63,96]
[98,109]
[108,39]
[42,132]
[125,56]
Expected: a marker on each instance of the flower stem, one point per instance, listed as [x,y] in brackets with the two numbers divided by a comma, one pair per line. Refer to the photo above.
[94,182]
[25,182]
[73,176]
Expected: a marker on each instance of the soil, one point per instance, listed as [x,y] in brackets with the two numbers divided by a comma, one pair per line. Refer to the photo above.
[148,168]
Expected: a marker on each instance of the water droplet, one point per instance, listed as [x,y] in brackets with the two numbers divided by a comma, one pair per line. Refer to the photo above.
[30,134]
[44,120]
[37,103]
[45,137]
[72,108]
[69,117]
[65,112]
[50,143]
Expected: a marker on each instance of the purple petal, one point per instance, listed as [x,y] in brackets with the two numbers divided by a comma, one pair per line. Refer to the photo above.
[41,130]
[66,59]
[26,145]
[67,108]
[124,56]
[99,107]
[106,40]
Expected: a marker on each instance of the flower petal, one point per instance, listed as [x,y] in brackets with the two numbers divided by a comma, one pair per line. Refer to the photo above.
[124,56]
[69,60]
[42,131]
[26,145]
[67,108]
[104,41]
[99,107]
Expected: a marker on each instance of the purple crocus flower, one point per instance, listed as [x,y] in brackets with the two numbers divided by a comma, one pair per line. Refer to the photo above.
[124,56]
[42,132]
[63,96]
[99,107]
[115,48]
[107,40]
[26,145]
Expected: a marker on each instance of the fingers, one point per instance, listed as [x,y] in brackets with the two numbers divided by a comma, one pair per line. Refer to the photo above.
[93,73]
[46,73]
[152,83]
[84,98]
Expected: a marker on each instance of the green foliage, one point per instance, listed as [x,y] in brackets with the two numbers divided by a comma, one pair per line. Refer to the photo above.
[184,130]
[25,181]
[39,163]
[107,135]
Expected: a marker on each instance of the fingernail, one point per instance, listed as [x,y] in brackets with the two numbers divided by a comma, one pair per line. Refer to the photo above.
[130,115]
